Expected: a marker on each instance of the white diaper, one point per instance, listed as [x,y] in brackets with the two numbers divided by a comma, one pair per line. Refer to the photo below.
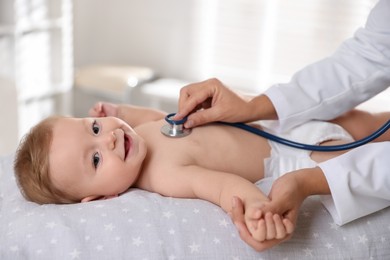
[284,159]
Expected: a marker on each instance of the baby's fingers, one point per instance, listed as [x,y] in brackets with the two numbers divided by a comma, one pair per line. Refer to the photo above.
[281,230]
[288,225]
[97,110]
[260,233]
[270,226]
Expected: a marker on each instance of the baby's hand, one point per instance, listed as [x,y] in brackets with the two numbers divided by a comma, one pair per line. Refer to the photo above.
[265,226]
[269,227]
[103,109]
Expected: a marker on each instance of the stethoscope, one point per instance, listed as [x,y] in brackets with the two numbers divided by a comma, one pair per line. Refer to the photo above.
[175,128]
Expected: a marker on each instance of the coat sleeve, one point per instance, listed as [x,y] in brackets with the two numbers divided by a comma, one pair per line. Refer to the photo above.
[359,182]
[358,70]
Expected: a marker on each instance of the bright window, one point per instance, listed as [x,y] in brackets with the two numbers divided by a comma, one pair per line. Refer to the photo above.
[251,44]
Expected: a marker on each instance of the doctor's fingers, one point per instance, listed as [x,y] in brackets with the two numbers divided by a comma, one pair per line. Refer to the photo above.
[193,97]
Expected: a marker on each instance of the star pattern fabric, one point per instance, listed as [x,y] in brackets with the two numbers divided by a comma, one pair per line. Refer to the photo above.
[144,225]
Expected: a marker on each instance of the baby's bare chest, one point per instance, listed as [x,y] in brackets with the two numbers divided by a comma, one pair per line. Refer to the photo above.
[216,147]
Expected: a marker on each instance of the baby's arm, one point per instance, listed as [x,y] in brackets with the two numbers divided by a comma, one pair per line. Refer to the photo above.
[133,115]
[219,188]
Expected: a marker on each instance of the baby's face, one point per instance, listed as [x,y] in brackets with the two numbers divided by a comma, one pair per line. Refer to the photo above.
[93,158]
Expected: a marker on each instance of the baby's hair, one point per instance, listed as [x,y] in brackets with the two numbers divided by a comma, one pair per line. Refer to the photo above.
[32,166]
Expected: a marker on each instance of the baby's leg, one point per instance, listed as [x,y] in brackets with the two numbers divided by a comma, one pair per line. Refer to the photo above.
[361,124]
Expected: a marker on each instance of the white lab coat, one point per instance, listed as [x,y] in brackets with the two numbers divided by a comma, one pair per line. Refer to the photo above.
[360,179]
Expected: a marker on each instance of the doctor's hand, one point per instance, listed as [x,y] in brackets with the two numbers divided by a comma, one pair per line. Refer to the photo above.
[290,190]
[286,197]
[104,109]
[210,101]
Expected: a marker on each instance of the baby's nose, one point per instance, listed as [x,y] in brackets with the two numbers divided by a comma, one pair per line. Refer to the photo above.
[110,139]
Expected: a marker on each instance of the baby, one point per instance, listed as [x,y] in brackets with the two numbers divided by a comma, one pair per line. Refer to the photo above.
[71,160]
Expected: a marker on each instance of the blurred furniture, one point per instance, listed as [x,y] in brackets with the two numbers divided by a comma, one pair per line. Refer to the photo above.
[36,58]
[111,83]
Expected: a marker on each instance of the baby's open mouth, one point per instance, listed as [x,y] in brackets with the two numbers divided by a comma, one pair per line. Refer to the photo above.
[127,145]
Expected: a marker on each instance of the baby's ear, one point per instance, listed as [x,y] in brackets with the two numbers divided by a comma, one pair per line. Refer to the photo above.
[90,198]
[109,197]
[95,197]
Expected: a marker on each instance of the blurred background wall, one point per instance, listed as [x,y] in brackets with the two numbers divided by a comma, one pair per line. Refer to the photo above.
[60,56]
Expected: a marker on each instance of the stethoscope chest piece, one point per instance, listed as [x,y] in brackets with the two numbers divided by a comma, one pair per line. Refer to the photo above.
[175,128]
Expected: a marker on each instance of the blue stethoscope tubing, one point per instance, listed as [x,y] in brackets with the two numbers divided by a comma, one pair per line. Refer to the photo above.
[281,140]
[330,148]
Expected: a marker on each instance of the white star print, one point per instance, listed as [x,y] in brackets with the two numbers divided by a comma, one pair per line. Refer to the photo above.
[223,222]
[334,226]
[216,240]
[99,248]
[137,241]
[75,254]
[362,239]
[329,245]
[51,225]
[308,252]
[196,211]
[168,214]
[194,247]
[171,231]
[316,235]
[109,227]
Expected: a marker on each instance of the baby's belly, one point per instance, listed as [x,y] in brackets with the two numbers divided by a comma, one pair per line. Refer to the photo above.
[232,150]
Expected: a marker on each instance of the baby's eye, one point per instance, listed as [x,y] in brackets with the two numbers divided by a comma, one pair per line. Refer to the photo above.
[95,127]
[96,159]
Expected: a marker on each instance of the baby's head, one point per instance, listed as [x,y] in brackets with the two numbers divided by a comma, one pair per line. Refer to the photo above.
[68,160]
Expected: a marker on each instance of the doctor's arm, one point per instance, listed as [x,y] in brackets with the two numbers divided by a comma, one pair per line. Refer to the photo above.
[357,71]
[359,182]
[351,186]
